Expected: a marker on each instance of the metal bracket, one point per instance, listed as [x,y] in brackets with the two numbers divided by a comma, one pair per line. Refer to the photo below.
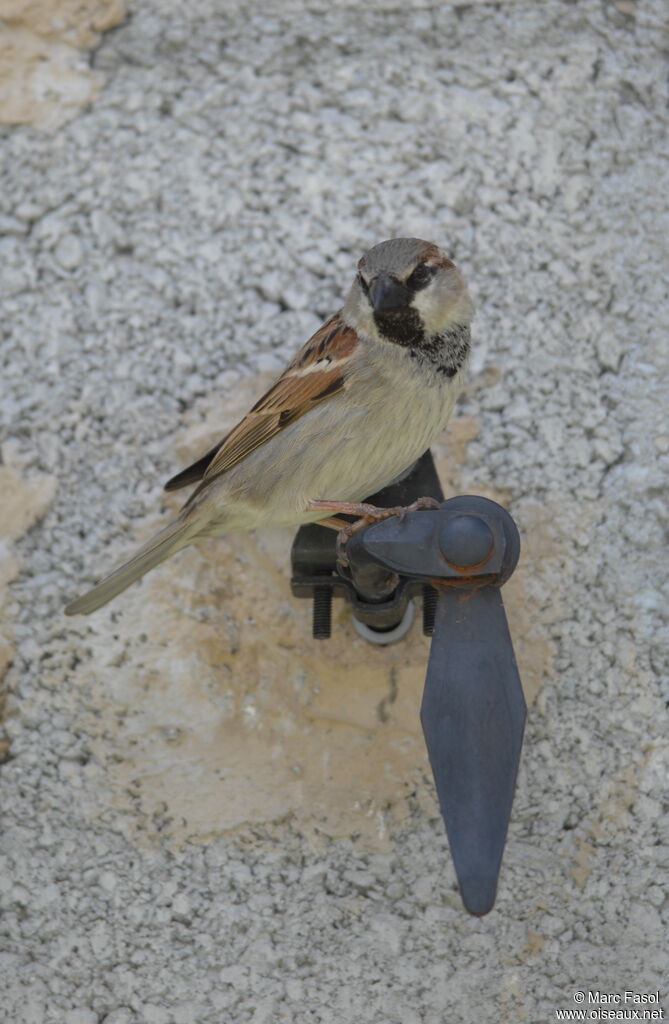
[473,710]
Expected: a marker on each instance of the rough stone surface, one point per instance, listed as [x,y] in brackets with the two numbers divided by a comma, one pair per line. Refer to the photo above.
[45,78]
[209,817]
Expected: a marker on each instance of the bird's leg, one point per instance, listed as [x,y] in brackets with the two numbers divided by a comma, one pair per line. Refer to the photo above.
[333,523]
[351,508]
[366,514]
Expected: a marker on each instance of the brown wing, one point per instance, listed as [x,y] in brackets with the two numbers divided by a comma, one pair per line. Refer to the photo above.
[192,473]
[317,371]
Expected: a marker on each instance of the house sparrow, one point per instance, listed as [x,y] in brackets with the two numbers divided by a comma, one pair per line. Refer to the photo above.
[359,403]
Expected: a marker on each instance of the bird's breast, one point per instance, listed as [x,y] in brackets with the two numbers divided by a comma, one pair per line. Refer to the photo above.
[348,446]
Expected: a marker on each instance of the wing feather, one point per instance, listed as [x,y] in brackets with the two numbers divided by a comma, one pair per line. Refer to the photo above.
[317,372]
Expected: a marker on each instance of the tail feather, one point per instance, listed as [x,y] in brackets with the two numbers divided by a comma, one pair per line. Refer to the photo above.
[170,540]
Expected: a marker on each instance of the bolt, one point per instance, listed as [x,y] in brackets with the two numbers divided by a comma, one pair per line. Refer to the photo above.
[321,623]
[430,597]
[466,541]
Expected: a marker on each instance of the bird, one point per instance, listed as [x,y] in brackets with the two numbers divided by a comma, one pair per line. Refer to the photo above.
[361,401]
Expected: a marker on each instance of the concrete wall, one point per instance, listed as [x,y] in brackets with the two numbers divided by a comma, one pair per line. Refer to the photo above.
[211,817]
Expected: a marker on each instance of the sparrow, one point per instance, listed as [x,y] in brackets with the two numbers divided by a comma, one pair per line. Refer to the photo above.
[360,402]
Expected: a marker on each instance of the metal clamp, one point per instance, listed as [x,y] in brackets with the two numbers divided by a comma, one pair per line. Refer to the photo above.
[473,710]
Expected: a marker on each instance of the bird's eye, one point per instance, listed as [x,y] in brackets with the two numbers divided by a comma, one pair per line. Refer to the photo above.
[363,284]
[421,276]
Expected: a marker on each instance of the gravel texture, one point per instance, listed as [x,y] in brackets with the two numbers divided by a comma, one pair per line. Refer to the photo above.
[160,249]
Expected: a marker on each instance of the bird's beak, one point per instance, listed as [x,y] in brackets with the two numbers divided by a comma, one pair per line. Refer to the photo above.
[388,295]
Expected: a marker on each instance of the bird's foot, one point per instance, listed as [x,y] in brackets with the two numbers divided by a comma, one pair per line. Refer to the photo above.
[366,514]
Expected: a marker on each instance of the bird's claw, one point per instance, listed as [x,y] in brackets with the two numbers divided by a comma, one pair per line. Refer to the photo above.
[367,514]
[415,506]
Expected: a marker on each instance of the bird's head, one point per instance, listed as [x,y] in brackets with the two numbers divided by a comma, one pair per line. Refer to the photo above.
[407,288]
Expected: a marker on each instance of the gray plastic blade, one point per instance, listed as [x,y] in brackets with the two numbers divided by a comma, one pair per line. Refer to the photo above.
[473,715]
